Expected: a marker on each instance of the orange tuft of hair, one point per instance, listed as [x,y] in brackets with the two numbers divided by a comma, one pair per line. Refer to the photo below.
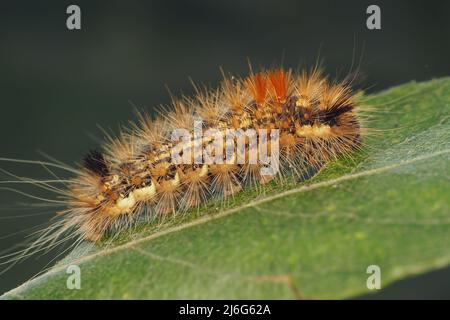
[257,84]
[278,83]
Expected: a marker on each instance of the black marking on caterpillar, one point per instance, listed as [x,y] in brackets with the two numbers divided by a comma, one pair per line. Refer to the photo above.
[95,162]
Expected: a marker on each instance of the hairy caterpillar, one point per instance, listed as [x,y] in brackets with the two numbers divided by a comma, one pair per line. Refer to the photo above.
[134,176]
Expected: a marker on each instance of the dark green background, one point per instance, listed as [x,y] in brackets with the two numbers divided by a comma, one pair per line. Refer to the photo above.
[57,85]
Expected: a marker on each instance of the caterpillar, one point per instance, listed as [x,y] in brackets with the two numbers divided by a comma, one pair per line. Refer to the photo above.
[135,175]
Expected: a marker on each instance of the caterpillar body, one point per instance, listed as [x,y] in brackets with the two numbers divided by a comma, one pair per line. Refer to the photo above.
[134,176]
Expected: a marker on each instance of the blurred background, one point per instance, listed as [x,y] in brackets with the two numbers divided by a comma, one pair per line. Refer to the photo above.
[57,85]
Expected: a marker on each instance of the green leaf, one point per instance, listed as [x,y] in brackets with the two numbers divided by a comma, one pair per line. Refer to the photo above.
[389,206]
